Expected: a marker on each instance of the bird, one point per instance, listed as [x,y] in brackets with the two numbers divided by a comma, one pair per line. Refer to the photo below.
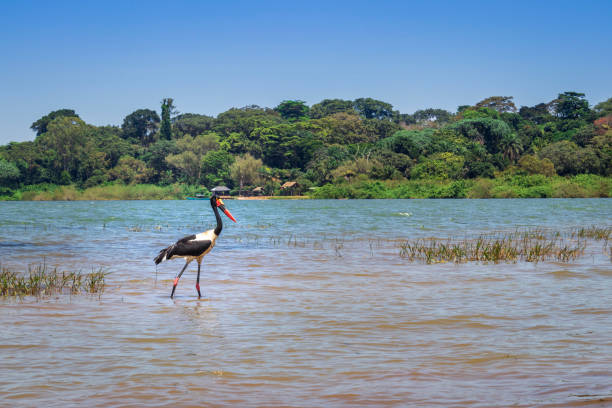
[195,246]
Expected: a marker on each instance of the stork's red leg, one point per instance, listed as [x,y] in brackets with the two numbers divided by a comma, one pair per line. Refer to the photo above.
[177,279]
[198,282]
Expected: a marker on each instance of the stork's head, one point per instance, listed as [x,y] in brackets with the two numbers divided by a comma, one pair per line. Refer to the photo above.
[217,202]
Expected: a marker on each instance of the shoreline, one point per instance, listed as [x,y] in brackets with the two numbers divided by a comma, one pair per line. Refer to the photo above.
[266,198]
[509,186]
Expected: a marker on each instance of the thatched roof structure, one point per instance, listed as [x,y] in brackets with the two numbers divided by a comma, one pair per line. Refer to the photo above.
[220,189]
[289,184]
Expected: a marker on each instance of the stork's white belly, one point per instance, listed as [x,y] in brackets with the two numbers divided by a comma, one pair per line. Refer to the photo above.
[207,236]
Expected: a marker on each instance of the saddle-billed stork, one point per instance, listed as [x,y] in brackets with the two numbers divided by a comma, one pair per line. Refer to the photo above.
[195,246]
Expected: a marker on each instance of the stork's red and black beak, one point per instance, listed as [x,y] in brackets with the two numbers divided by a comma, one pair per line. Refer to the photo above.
[222,207]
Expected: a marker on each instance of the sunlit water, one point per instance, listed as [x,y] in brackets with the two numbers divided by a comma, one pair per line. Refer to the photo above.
[305,303]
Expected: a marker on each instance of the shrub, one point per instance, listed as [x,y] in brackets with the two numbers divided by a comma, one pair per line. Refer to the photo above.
[533,165]
[481,189]
[440,166]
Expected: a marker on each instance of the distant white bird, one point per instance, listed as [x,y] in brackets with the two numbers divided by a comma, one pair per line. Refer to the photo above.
[195,246]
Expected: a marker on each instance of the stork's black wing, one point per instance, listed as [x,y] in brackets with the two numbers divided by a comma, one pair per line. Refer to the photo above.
[188,246]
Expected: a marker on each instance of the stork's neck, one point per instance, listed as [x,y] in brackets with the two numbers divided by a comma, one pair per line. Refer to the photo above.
[219,226]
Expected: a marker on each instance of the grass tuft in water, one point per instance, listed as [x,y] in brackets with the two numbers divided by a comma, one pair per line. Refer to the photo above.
[594,232]
[41,280]
[534,245]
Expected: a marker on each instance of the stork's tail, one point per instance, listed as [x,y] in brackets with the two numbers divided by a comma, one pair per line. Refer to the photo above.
[162,256]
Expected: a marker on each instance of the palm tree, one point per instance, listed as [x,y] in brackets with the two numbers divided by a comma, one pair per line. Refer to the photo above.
[511,147]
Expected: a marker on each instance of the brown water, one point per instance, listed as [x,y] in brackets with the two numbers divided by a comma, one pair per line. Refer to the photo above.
[306,304]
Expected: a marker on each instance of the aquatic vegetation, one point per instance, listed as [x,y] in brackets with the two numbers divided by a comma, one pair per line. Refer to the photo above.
[594,232]
[532,245]
[41,280]
[536,244]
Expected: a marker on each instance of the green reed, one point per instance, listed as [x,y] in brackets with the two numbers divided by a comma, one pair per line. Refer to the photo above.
[533,245]
[41,280]
[594,232]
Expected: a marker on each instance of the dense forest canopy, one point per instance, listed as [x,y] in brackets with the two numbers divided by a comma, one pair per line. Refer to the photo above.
[334,141]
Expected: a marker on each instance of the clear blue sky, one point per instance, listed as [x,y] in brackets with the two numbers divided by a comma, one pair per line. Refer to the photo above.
[106,59]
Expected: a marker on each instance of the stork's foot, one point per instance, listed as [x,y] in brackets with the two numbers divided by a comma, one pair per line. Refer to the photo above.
[198,289]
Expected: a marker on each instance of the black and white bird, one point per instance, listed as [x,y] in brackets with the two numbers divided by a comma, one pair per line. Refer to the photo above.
[195,246]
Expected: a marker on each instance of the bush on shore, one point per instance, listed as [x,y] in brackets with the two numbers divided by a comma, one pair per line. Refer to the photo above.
[509,186]
[117,191]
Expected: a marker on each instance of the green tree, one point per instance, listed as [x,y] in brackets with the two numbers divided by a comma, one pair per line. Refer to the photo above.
[413,143]
[29,158]
[40,126]
[584,134]
[479,113]
[155,157]
[486,131]
[199,145]
[246,171]
[432,115]
[140,126]
[236,143]
[188,165]
[68,141]
[569,159]
[498,103]
[510,146]
[538,114]
[190,152]
[352,168]
[324,161]
[400,162]
[441,166]
[167,109]
[379,129]
[293,110]
[94,162]
[514,120]
[215,168]
[331,106]
[108,140]
[343,128]
[478,162]
[131,171]
[373,109]
[243,121]
[533,165]
[9,173]
[604,108]
[192,124]
[288,146]
[602,146]
[571,105]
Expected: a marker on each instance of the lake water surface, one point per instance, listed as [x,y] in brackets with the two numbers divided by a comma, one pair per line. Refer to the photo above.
[305,303]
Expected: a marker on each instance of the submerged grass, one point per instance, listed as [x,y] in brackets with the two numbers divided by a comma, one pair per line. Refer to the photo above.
[535,244]
[41,280]
[594,232]
[531,245]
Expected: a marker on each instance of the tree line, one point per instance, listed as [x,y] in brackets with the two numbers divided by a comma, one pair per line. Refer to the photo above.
[334,141]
